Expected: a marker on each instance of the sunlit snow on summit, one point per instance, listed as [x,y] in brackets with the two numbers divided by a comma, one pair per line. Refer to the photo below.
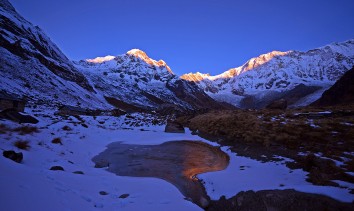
[101,59]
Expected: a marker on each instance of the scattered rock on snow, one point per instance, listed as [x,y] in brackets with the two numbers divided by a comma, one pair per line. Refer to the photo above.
[174,127]
[12,155]
[103,193]
[123,196]
[57,141]
[56,168]
[78,172]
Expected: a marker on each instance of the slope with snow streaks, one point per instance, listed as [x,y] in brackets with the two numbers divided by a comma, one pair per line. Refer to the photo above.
[277,72]
[136,79]
[33,66]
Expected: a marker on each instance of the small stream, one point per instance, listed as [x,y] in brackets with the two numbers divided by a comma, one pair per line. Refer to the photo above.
[177,162]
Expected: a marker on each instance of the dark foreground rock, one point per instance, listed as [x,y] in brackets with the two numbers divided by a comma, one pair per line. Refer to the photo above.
[12,155]
[174,127]
[278,200]
[15,116]
[341,93]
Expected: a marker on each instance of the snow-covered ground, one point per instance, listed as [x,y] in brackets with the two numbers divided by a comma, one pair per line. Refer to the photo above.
[244,174]
[32,186]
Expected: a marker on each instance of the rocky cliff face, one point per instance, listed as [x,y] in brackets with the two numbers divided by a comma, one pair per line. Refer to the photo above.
[341,93]
[271,75]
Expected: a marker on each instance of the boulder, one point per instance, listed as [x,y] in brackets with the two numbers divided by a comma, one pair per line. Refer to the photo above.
[56,168]
[12,155]
[78,172]
[174,127]
[123,196]
[278,104]
[15,116]
[103,193]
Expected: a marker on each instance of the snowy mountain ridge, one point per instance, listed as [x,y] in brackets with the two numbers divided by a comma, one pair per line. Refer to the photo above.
[134,80]
[138,80]
[143,64]
[32,66]
[278,72]
[44,75]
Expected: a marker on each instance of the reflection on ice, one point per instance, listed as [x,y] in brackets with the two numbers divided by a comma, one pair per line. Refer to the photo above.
[177,162]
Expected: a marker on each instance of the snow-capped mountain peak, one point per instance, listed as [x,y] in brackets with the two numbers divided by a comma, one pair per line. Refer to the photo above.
[138,53]
[273,74]
[100,59]
[144,57]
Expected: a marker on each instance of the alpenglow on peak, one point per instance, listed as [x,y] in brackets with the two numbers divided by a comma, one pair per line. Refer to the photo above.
[101,59]
[143,56]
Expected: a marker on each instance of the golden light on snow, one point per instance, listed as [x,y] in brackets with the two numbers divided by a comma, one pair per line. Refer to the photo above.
[249,65]
[100,59]
[142,55]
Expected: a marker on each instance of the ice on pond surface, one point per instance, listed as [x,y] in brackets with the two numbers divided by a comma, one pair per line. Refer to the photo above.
[177,162]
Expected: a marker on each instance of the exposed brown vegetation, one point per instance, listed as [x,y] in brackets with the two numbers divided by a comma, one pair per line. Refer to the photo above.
[26,130]
[286,133]
[22,145]
[3,129]
[292,129]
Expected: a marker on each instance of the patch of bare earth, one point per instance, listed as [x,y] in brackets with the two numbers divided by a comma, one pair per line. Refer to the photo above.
[314,137]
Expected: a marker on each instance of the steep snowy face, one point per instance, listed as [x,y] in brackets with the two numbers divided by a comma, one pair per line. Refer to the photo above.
[33,66]
[142,55]
[279,72]
[134,62]
[20,38]
[136,79]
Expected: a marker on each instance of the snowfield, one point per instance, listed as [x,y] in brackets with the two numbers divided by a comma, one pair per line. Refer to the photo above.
[32,186]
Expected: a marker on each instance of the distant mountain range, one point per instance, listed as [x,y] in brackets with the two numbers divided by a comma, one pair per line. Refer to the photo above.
[299,77]
[135,79]
[32,66]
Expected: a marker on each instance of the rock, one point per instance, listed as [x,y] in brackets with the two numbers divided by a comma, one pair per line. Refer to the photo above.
[341,93]
[84,125]
[78,172]
[12,155]
[203,202]
[101,164]
[103,193]
[15,116]
[278,104]
[123,196]
[278,200]
[174,127]
[56,168]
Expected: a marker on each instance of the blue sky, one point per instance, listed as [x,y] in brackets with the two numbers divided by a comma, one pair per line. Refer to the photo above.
[208,36]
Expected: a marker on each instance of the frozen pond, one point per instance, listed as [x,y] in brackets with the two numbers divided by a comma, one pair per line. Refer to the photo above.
[177,162]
